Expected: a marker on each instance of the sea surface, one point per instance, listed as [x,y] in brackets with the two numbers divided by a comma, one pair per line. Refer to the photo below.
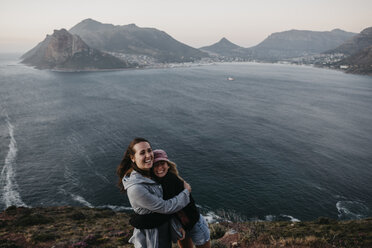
[278,142]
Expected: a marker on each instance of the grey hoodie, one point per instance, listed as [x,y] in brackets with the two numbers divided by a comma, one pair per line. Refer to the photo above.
[146,196]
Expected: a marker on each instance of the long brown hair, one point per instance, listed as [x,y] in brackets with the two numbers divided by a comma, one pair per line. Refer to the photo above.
[173,169]
[126,165]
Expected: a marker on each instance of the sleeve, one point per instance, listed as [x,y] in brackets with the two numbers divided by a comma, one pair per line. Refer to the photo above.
[148,221]
[141,197]
[171,185]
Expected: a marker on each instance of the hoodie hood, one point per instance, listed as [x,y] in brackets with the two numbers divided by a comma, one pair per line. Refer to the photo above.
[135,178]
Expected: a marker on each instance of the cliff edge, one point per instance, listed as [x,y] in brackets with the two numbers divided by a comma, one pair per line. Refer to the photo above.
[89,227]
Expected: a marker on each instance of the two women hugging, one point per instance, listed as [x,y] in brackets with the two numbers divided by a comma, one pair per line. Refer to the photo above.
[164,208]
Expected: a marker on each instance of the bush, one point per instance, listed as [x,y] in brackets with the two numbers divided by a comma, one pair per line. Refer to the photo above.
[92,239]
[43,237]
[217,244]
[30,220]
[81,244]
[104,213]
[324,221]
[217,231]
[12,210]
[3,223]
[4,243]
[124,238]
[77,216]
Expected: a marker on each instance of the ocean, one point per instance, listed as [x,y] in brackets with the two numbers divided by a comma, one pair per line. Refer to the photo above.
[279,142]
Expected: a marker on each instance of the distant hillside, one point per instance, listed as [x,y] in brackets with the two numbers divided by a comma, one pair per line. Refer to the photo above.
[355,44]
[64,51]
[297,43]
[360,62]
[225,48]
[130,39]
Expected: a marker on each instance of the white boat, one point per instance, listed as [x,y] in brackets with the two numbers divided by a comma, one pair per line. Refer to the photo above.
[230,78]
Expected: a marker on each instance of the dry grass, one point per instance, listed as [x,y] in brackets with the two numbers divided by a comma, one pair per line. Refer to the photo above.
[85,227]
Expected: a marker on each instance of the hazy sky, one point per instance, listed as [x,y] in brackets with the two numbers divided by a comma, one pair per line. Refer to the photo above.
[24,23]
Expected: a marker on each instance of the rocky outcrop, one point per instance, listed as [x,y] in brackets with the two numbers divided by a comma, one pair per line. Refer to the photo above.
[131,39]
[64,51]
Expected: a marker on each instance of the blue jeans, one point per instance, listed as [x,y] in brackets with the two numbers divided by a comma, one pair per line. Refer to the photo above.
[200,232]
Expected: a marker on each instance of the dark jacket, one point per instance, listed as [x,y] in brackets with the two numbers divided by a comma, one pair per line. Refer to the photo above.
[172,186]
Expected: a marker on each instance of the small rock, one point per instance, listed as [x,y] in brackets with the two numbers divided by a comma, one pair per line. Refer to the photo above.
[234,245]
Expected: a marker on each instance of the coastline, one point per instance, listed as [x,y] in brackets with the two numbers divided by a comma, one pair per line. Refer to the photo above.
[193,64]
[67,226]
[185,64]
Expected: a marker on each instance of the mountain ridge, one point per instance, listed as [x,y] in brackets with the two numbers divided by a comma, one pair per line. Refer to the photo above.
[131,39]
[64,51]
[91,45]
[296,43]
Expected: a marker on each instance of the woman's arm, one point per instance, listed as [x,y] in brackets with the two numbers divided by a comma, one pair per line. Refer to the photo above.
[148,221]
[140,197]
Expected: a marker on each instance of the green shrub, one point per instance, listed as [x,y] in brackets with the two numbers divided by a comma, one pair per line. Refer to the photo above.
[217,231]
[12,210]
[217,244]
[3,223]
[104,213]
[43,237]
[30,220]
[324,221]
[4,243]
[77,216]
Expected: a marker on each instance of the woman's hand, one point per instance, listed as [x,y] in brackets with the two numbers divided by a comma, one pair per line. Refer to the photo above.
[187,186]
[183,233]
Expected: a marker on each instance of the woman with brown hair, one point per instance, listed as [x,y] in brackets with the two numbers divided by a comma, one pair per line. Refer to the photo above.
[165,172]
[146,196]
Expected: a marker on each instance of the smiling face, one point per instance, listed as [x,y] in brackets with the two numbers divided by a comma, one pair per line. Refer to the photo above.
[143,156]
[161,168]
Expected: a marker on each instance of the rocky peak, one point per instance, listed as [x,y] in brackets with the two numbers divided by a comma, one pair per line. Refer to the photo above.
[61,45]
[90,25]
[224,40]
[63,50]
[226,44]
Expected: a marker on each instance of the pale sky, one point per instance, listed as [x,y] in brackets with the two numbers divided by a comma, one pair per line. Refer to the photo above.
[197,23]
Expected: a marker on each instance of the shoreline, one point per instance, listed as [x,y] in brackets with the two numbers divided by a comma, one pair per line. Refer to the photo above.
[193,64]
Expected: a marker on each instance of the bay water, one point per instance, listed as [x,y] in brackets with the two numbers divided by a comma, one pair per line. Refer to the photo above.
[277,142]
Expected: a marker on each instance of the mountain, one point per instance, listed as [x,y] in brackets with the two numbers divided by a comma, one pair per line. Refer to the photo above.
[355,44]
[64,51]
[360,62]
[225,48]
[130,39]
[297,43]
